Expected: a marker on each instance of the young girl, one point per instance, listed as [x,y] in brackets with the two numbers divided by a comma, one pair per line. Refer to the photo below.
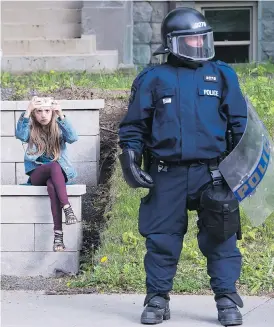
[46,130]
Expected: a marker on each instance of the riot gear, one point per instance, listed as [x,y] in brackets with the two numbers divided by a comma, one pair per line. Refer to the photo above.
[186,34]
[249,169]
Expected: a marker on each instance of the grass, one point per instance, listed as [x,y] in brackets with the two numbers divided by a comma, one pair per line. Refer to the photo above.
[47,82]
[118,264]
[254,68]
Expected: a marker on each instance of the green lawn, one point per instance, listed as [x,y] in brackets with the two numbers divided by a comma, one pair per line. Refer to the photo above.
[48,82]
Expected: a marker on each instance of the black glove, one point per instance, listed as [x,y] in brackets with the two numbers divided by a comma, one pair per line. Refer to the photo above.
[133,174]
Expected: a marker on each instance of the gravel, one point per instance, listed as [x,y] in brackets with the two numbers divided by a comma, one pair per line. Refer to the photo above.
[48,286]
[6,93]
[38,283]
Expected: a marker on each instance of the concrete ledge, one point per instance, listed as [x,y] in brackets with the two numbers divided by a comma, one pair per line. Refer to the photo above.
[7,123]
[51,31]
[6,5]
[41,16]
[17,237]
[23,190]
[98,62]
[35,209]
[34,46]
[73,237]
[65,104]
[38,237]
[39,263]
[27,231]
[8,173]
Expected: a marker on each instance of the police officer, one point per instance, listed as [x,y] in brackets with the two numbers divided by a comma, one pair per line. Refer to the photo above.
[179,112]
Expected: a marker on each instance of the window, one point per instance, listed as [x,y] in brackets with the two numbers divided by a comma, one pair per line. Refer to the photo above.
[234,28]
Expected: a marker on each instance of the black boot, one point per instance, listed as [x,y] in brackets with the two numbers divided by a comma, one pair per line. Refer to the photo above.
[156,310]
[228,312]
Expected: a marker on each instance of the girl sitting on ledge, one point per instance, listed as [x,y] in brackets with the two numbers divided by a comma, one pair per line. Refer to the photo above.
[46,130]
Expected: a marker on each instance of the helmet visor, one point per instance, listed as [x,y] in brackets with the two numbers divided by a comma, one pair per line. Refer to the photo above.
[194,47]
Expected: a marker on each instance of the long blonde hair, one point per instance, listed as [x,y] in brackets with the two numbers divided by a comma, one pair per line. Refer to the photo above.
[45,138]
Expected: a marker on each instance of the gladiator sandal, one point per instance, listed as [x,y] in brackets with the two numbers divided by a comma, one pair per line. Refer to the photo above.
[70,216]
[58,243]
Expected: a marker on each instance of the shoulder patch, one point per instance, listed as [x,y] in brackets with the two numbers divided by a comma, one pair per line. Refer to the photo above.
[132,93]
[226,68]
[140,76]
[139,80]
[144,71]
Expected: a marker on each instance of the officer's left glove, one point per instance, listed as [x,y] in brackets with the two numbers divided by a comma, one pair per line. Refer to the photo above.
[133,174]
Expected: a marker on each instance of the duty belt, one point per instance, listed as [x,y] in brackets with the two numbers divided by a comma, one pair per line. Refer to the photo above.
[212,164]
[213,161]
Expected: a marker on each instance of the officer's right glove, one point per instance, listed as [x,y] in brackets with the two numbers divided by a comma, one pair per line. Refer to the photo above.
[133,174]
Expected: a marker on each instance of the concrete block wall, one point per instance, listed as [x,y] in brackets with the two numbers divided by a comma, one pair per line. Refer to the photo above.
[27,239]
[26,219]
[84,115]
[266,28]
[148,15]
[147,18]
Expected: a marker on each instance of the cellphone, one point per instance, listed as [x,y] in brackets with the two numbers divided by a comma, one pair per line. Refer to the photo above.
[47,102]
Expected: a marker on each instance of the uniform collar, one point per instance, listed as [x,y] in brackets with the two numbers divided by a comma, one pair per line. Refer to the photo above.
[176,62]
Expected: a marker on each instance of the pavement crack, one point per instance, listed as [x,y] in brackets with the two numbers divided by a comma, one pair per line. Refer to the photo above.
[267,300]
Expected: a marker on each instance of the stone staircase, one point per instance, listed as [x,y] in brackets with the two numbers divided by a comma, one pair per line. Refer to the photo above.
[46,35]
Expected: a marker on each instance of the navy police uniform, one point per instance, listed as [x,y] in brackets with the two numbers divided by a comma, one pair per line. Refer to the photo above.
[181,116]
[178,118]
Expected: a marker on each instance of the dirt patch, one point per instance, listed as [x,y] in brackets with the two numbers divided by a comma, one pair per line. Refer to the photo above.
[110,117]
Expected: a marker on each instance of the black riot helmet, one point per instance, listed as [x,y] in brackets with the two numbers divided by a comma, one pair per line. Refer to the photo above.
[186,34]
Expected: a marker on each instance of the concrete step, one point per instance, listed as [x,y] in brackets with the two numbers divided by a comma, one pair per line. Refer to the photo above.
[106,61]
[52,31]
[41,4]
[39,263]
[47,47]
[41,16]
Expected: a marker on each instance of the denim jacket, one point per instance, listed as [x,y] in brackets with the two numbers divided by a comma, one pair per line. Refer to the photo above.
[67,134]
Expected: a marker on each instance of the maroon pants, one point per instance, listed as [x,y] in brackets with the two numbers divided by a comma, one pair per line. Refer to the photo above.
[51,175]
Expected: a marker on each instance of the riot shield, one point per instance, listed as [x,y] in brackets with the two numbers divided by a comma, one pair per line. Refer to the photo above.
[249,169]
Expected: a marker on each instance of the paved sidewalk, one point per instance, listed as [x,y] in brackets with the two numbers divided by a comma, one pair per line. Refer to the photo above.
[29,309]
